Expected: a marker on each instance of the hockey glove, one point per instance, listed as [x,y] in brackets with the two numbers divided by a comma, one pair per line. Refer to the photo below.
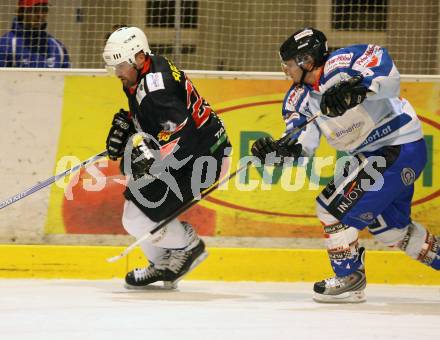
[142,159]
[343,96]
[121,129]
[266,145]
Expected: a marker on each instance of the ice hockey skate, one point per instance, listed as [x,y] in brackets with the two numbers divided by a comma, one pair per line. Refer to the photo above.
[182,262]
[143,278]
[172,267]
[346,289]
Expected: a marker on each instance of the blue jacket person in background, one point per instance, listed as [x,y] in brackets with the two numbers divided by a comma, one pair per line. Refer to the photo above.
[28,44]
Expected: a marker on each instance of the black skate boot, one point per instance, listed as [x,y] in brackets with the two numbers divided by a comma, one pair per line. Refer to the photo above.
[142,278]
[345,289]
[171,267]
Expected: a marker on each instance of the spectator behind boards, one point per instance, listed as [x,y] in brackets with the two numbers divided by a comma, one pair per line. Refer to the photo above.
[28,44]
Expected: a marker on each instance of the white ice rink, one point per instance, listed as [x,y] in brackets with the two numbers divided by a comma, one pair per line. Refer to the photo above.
[71,309]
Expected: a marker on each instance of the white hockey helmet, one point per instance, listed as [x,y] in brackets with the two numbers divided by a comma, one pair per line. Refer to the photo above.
[123,44]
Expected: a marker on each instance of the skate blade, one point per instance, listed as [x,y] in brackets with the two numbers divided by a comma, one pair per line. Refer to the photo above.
[202,257]
[347,297]
[166,286]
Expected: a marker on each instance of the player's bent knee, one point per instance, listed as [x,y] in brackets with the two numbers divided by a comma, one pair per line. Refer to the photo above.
[134,221]
[391,237]
[324,215]
[421,245]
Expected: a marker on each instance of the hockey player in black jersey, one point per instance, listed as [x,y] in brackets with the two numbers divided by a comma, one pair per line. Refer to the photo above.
[166,165]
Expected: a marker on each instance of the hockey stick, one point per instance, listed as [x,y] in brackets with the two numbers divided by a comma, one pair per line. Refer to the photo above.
[284,140]
[179,211]
[49,181]
[288,139]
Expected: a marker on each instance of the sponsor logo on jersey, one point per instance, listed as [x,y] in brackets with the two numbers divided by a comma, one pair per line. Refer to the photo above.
[371,57]
[174,71]
[367,216]
[408,176]
[353,194]
[140,93]
[293,99]
[169,128]
[155,81]
[292,116]
[307,109]
[367,72]
[329,190]
[338,61]
[164,136]
[344,132]
[386,129]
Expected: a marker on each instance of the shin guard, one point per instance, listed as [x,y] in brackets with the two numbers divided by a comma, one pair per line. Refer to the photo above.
[421,245]
[342,246]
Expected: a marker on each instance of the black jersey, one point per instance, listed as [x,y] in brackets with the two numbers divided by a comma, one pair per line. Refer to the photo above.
[166,105]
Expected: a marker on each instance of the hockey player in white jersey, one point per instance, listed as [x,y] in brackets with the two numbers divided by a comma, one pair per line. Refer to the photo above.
[355,93]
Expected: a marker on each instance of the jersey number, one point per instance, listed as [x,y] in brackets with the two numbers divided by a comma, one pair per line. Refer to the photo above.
[199,109]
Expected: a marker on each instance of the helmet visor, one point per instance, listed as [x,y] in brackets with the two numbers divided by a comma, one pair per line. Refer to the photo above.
[118,69]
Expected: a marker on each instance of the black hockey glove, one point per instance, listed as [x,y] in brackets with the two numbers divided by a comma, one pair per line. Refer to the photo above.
[265,145]
[343,96]
[121,129]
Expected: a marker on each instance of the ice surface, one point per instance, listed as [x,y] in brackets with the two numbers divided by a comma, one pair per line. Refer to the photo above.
[73,309]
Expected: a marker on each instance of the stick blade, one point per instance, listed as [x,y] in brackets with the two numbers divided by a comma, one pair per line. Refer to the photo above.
[115,258]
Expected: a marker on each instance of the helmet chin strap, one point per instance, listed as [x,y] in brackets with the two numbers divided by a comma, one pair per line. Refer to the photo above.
[303,76]
[145,67]
[304,72]
[139,73]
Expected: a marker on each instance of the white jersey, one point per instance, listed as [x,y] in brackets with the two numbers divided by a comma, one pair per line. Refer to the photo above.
[383,118]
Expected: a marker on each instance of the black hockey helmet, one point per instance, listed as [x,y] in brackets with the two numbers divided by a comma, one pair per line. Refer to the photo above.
[305,46]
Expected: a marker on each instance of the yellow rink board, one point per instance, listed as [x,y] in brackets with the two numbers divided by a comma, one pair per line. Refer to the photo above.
[225,264]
